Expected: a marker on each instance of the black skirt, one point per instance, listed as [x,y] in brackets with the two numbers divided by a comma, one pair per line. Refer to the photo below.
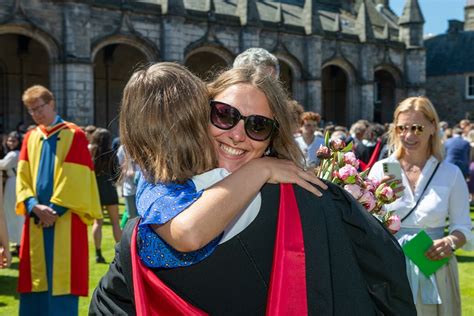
[107,190]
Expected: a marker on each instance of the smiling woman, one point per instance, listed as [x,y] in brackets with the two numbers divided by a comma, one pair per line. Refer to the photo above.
[232,244]
[435,191]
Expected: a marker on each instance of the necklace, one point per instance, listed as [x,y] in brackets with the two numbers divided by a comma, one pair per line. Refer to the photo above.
[412,172]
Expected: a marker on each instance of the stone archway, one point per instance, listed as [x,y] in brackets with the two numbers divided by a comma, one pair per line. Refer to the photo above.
[24,62]
[335,83]
[290,74]
[113,66]
[205,63]
[286,77]
[384,96]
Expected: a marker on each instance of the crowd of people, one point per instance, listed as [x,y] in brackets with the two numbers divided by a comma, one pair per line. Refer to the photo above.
[208,227]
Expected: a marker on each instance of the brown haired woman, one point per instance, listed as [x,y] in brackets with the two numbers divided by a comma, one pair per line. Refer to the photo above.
[106,171]
[207,259]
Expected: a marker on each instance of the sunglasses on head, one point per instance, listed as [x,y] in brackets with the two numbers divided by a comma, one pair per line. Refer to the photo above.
[416,129]
[257,127]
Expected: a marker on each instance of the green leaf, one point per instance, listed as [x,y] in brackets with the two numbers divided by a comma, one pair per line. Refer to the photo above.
[347,148]
[326,139]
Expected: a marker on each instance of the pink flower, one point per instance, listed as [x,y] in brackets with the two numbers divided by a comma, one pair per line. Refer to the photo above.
[354,190]
[368,200]
[323,152]
[371,184]
[385,194]
[393,224]
[337,144]
[347,174]
[351,159]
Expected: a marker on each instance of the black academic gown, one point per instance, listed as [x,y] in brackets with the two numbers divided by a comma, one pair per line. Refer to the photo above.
[353,265]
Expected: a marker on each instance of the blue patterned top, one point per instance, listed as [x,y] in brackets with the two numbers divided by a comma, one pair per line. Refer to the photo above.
[157,204]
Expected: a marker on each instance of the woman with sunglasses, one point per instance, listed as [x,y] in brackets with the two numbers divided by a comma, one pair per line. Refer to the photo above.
[434,191]
[236,248]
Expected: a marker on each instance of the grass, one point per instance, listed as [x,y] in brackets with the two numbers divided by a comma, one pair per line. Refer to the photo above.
[8,277]
[9,298]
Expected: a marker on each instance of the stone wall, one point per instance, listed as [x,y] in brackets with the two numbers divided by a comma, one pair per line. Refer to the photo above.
[73,33]
[448,96]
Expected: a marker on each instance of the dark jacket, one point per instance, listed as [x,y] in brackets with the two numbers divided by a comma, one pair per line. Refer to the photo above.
[458,152]
[353,265]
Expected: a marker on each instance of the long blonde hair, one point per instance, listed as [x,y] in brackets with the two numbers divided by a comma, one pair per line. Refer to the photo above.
[164,121]
[423,105]
[282,142]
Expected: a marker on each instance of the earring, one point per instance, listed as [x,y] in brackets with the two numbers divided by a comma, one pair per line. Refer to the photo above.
[267,151]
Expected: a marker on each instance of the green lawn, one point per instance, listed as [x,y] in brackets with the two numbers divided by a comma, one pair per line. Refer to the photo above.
[8,277]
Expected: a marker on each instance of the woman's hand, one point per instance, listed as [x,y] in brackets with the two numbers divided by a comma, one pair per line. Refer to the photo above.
[285,171]
[440,249]
[443,247]
[395,184]
[5,257]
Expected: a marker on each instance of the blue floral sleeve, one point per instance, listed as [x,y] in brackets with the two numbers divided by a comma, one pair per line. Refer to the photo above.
[157,204]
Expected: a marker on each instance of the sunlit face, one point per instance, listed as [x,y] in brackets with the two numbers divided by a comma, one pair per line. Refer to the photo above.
[12,143]
[43,113]
[234,148]
[413,140]
[309,127]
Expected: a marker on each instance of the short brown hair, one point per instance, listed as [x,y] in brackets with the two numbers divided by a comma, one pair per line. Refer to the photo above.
[310,116]
[296,110]
[282,141]
[164,123]
[36,92]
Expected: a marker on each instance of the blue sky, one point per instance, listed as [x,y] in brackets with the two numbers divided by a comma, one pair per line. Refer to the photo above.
[436,13]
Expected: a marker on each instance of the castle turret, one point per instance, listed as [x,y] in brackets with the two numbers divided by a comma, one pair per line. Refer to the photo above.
[248,12]
[411,24]
[363,24]
[469,16]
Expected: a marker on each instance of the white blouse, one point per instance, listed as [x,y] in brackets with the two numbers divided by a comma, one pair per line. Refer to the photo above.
[9,162]
[446,197]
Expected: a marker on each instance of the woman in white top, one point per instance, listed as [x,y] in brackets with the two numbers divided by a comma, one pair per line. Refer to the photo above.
[9,164]
[418,149]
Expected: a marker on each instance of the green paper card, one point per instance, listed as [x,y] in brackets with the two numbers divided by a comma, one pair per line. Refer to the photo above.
[415,250]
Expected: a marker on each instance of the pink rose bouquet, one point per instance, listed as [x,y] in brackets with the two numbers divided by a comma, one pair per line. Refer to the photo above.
[339,165]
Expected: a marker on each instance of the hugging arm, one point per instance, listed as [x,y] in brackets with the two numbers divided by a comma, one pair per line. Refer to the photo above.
[206,218]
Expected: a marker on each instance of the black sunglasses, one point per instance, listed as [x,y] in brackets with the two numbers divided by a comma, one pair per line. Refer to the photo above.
[416,129]
[257,127]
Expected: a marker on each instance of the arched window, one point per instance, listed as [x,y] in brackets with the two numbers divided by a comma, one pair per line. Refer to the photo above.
[286,76]
[28,64]
[334,88]
[113,66]
[205,64]
[384,96]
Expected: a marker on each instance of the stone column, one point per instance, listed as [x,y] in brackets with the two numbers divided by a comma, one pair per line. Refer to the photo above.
[415,71]
[366,106]
[312,75]
[366,101]
[172,38]
[79,85]
[249,37]
[76,74]
[313,99]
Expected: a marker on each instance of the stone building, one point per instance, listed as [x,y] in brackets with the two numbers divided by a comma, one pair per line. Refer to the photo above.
[450,69]
[347,59]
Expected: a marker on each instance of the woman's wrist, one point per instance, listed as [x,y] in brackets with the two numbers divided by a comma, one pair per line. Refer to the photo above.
[451,242]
